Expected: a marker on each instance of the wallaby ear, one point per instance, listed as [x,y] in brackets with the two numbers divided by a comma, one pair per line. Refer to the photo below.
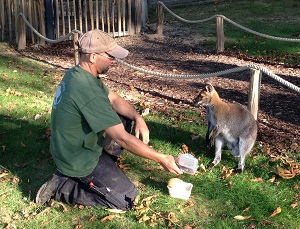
[209,87]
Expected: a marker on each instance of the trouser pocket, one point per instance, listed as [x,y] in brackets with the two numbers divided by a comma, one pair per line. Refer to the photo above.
[118,200]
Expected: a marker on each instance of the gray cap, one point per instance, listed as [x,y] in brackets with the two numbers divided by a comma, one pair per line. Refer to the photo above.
[97,41]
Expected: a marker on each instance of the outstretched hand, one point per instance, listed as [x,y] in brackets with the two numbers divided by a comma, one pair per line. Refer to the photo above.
[169,164]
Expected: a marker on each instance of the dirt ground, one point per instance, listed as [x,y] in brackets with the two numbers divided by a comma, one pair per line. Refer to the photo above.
[181,52]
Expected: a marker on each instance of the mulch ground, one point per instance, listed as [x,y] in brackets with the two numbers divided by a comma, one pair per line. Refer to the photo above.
[181,52]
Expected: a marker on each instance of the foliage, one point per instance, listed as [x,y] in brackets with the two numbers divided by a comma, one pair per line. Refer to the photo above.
[220,198]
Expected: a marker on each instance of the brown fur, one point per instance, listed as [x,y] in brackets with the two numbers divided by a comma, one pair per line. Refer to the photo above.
[229,124]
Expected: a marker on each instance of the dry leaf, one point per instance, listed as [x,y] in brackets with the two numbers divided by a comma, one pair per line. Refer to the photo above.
[119,211]
[172,217]
[240,217]
[277,211]
[92,219]
[3,148]
[144,218]
[3,173]
[258,179]
[194,136]
[246,209]
[294,205]
[109,217]
[23,145]
[272,179]
[65,209]
[203,168]
[284,173]
[185,148]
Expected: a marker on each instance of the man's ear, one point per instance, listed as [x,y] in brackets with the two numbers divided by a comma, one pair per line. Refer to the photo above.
[93,57]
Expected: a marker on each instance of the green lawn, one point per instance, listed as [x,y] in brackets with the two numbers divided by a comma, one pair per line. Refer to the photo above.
[257,198]
[274,18]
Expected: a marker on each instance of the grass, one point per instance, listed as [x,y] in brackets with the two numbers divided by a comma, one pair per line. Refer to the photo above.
[26,92]
[274,18]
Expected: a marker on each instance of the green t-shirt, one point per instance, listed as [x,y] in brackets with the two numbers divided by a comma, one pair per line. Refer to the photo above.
[81,111]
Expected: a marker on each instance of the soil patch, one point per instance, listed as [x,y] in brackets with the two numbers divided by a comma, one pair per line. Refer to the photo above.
[181,52]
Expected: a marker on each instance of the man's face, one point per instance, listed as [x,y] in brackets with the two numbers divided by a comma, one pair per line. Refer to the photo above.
[103,61]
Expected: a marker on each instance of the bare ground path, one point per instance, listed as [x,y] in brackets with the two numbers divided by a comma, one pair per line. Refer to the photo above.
[180,52]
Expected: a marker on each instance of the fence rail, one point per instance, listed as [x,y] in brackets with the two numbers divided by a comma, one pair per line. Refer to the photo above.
[56,18]
[219,26]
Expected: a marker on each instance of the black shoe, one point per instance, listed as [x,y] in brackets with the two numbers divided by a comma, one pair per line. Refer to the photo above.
[47,190]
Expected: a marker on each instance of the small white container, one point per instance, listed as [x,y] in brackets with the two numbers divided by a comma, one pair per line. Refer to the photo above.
[188,163]
[182,191]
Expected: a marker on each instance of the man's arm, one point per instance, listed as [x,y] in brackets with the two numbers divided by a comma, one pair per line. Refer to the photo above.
[137,147]
[122,107]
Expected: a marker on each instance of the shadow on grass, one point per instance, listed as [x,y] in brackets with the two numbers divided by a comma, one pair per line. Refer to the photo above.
[25,153]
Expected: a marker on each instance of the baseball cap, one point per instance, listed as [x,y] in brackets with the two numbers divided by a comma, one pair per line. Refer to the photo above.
[97,41]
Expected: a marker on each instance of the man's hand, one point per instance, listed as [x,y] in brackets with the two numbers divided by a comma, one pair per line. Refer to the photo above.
[169,164]
[141,129]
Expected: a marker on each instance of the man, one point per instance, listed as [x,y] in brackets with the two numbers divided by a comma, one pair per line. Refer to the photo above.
[87,122]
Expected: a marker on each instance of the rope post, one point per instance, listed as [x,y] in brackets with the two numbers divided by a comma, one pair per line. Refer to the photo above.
[21,29]
[159,19]
[220,34]
[254,91]
[76,53]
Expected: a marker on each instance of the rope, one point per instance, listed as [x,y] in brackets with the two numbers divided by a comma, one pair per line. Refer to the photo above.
[207,75]
[230,21]
[45,38]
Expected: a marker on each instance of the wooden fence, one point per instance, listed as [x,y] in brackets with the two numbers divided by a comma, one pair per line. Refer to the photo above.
[56,18]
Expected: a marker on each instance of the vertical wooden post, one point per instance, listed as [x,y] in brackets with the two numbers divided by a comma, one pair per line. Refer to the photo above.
[129,26]
[138,16]
[159,19]
[41,19]
[74,14]
[9,20]
[91,11]
[57,20]
[220,34]
[254,92]
[16,11]
[76,53]
[22,29]
[2,16]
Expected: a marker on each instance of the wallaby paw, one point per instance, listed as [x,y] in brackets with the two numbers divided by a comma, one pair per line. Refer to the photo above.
[211,165]
[238,170]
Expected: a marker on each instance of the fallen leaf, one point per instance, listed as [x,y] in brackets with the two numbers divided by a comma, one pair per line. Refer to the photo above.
[65,209]
[294,205]
[258,179]
[119,211]
[109,217]
[195,136]
[246,209]
[23,145]
[144,218]
[92,219]
[203,168]
[277,211]
[272,179]
[240,217]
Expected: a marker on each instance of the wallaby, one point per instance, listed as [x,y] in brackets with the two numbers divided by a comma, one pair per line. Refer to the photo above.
[230,124]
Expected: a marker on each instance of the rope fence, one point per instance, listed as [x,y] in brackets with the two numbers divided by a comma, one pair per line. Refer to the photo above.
[219,23]
[255,71]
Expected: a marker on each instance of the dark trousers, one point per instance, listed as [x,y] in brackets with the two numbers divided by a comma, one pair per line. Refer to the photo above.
[106,186]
